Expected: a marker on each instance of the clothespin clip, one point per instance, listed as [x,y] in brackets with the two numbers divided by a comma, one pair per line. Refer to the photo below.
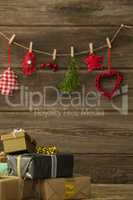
[30,47]
[91,48]
[11,39]
[54,54]
[122,25]
[108,43]
[72,51]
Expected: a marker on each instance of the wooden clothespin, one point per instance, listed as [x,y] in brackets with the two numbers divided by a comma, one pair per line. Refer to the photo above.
[108,43]
[72,51]
[11,39]
[91,48]
[54,54]
[30,47]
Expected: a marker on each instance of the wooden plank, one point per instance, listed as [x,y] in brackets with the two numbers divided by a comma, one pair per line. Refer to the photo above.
[122,104]
[42,90]
[59,12]
[59,120]
[113,168]
[48,38]
[102,143]
[83,139]
[112,192]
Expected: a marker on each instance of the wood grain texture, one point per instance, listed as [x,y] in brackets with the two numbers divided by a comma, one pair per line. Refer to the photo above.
[82,140]
[99,136]
[106,168]
[70,12]
[112,192]
[56,119]
[113,168]
[41,90]
[61,38]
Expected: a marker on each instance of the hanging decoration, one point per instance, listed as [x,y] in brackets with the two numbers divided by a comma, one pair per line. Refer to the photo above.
[8,79]
[9,83]
[84,52]
[93,61]
[109,74]
[29,62]
[52,65]
[71,80]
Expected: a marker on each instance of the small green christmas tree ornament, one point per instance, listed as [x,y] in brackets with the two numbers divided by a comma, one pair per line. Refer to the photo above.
[71,80]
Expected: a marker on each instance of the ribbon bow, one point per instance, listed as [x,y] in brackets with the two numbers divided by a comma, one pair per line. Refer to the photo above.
[48,150]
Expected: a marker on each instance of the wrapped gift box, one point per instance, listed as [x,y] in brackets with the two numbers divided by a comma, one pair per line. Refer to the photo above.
[38,166]
[3,169]
[65,188]
[15,188]
[18,141]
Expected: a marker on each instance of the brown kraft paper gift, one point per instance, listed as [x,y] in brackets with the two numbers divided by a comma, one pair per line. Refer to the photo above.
[15,188]
[68,188]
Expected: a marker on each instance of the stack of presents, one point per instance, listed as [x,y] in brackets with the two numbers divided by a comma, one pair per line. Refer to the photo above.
[40,173]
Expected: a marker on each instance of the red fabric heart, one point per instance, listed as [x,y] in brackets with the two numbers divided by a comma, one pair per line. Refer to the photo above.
[109,74]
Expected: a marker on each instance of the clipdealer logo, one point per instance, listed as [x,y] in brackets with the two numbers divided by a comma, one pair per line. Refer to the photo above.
[79,99]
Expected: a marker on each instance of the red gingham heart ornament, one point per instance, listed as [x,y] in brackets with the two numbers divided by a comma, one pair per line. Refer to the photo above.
[8,80]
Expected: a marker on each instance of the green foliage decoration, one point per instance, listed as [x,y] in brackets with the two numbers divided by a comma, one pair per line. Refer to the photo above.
[71,80]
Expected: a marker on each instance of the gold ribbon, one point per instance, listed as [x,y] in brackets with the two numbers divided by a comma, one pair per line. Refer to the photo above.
[70,190]
[48,150]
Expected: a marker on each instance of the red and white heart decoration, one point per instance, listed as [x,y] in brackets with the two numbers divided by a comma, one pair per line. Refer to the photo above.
[8,79]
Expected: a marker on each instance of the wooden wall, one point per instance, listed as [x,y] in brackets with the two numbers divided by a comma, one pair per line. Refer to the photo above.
[102,144]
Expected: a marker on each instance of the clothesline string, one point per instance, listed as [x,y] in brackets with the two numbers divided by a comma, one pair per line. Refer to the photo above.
[68,54]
